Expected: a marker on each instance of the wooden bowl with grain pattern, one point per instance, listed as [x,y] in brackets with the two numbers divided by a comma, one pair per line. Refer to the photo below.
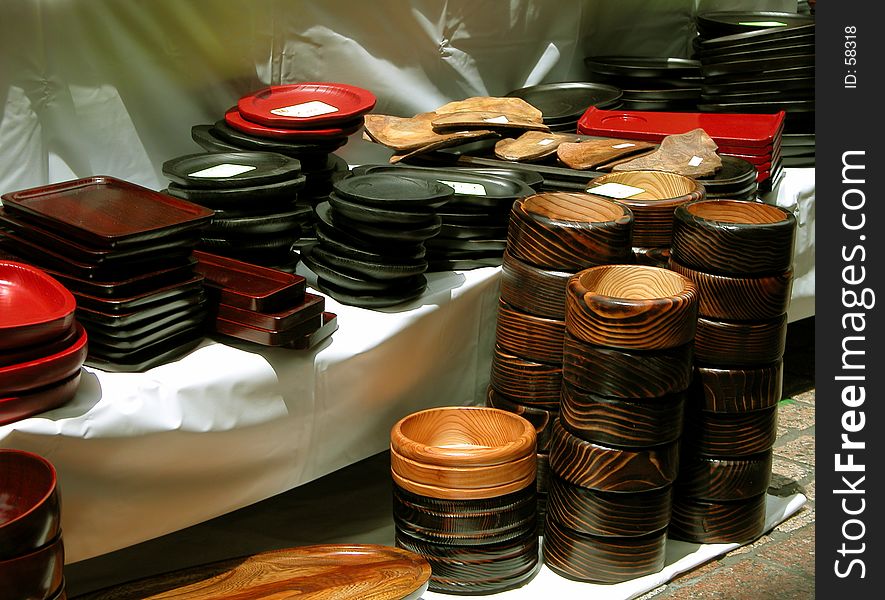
[719,479]
[740,343]
[738,389]
[534,290]
[731,434]
[528,381]
[529,336]
[541,418]
[710,522]
[470,477]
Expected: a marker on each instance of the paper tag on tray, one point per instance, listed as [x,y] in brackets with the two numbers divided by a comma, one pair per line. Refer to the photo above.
[546,142]
[499,120]
[695,161]
[615,190]
[305,109]
[622,146]
[223,170]
[467,189]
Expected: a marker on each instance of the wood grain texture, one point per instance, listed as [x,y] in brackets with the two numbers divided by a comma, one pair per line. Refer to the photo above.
[729,434]
[460,506]
[503,104]
[408,134]
[529,336]
[739,389]
[469,477]
[611,469]
[626,374]
[484,119]
[542,476]
[707,522]
[632,307]
[739,298]
[619,422]
[569,231]
[601,559]
[532,289]
[656,256]
[734,237]
[589,154]
[719,479]
[679,153]
[609,513]
[448,493]
[339,572]
[740,343]
[653,208]
[531,145]
[529,382]
[461,436]
[540,418]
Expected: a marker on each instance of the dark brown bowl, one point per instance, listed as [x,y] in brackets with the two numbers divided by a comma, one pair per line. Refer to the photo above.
[739,298]
[619,422]
[611,469]
[734,237]
[529,336]
[721,479]
[730,434]
[35,574]
[30,512]
[529,382]
[708,522]
[632,307]
[655,256]
[541,418]
[740,343]
[626,374]
[738,389]
[532,289]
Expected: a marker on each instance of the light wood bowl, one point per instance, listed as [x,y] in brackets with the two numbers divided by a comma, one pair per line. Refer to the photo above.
[472,477]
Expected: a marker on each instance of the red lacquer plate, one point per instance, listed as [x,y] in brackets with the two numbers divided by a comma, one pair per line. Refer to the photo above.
[46,370]
[306,104]
[252,287]
[236,120]
[312,306]
[22,406]
[34,307]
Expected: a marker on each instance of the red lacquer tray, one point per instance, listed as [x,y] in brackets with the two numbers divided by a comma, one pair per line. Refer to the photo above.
[330,326]
[34,307]
[268,337]
[312,306]
[306,104]
[244,285]
[46,370]
[725,128]
[236,120]
[22,406]
[107,212]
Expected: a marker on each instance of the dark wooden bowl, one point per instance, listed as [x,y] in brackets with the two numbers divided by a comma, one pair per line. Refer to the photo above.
[609,513]
[529,336]
[589,558]
[730,435]
[739,298]
[708,522]
[527,381]
[734,237]
[569,231]
[626,374]
[632,307]
[720,479]
[739,389]
[30,511]
[611,469]
[532,289]
[34,574]
[654,256]
[660,194]
[619,422]
[541,418]
[469,477]
[740,343]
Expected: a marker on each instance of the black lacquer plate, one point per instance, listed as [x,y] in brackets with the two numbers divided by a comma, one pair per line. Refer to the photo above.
[567,101]
[393,190]
[231,169]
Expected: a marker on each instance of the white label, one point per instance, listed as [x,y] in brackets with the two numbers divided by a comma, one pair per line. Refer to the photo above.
[620,146]
[500,120]
[305,109]
[763,23]
[223,170]
[546,142]
[615,190]
[462,187]
[695,161]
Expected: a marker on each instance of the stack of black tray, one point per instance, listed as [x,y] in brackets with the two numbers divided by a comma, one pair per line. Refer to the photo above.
[562,104]
[648,82]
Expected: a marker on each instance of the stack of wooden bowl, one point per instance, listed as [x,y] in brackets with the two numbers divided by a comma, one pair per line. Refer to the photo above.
[614,454]
[552,235]
[464,496]
[739,255]
[32,553]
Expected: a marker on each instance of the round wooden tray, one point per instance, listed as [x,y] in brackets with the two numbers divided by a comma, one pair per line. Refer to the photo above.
[740,343]
[739,389]
[721,479]
[707,522]
[532,289]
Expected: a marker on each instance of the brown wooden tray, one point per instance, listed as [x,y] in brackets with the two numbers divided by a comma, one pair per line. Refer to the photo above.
[252,287]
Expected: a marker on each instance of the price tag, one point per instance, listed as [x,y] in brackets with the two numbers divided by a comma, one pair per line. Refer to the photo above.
[223,170]
[467,189]
[621,146]
[500,120]
[763,23]
[305,109]
[615,190]
[695,161]
[546,142]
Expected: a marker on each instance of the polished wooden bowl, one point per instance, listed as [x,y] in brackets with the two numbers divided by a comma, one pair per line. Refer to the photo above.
[739,298]
[734,237]
[541,418]
[611,469]
[653,256]
[34,574]
[527,381]
[461,436]
[609,513]
[471,477]
[542,476]
[659,194]
[30,513]
[598,559]
[529,336]
[719,479]
[532,289]
[709,522]
[569,231]
[448,493]
[728,435]
[632,307]
[738,389]
[740,343]
[619,422]
[626,374]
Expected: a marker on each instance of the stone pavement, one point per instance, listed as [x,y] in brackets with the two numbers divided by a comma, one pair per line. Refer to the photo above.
[780,564]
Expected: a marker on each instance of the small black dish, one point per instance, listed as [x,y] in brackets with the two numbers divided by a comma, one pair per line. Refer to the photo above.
[376,270]
[379,300]
[271,194]
[467,264]
[393,190]
[343,245]
[354,284]
[451,231]
[722,23]
[373,234]
[251,225]
[643,66]
[567,101]
[378,215]
[231,169]
[205,138]
[440,245]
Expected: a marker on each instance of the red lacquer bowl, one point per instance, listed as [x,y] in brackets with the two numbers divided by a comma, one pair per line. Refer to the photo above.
[34,307]
[29,503]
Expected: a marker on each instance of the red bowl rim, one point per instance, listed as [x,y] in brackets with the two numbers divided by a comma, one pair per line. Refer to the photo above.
[69,304]
[52,489]
[78,344]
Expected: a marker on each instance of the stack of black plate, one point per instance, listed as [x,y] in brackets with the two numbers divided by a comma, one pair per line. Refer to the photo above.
[254,197]
[736,180]
[370,238]
[124,251]
[649,83]
[761,62]
[562,104]
[474,223]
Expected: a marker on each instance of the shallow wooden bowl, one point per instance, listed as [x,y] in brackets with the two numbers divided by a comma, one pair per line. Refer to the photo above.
[611,469]
[626,374]
[529,336]
[734,237]
[569,231]
[541,418]
[598,559]
[731,434]
[740,343]
[609,513]
[461,436]
[659,194]
[530,382]
[705,478]
[30,510]
[534,290]
[709,522]
[471,477]
[632,307]
[35,573]
[738,389]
